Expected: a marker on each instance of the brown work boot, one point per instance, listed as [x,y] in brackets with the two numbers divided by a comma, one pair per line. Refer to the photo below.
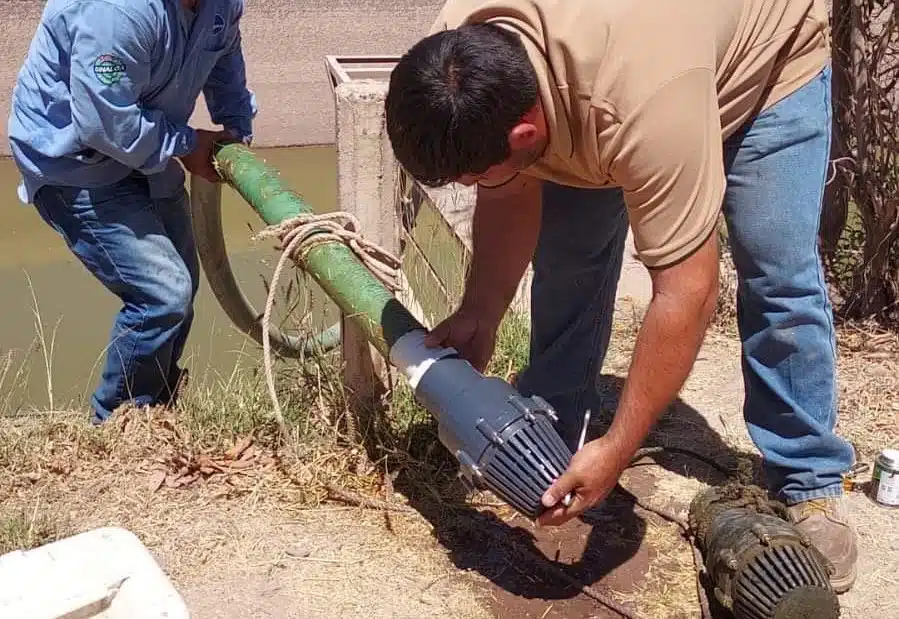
[826,523]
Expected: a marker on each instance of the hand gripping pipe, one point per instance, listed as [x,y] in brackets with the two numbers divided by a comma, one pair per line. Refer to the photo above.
[503,441]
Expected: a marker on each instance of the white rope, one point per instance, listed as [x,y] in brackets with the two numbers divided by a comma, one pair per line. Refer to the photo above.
[298,235]
[833,168]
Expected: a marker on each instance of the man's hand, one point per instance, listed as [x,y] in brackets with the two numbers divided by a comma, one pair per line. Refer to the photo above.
[199,160]
[592,474]
[683,301]
[471,333]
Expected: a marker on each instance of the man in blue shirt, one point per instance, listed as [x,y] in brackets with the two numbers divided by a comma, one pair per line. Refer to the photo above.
[98,125]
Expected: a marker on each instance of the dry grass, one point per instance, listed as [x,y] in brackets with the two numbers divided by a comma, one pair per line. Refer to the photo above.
[868,388]
[211,491]
[668,589]
[212,473]
[28,528]
[225,522]
[725,317]
[222,441]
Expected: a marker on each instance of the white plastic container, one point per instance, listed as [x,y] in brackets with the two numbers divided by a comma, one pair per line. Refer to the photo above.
[106,573]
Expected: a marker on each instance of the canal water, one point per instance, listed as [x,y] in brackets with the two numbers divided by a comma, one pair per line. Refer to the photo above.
[45,288]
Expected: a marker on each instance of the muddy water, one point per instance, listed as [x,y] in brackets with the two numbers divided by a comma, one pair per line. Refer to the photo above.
[77,312]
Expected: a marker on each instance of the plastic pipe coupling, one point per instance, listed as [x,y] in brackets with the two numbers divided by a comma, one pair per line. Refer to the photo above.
[504,442]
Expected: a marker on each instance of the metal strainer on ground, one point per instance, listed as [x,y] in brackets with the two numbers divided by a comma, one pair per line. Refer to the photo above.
[760,565]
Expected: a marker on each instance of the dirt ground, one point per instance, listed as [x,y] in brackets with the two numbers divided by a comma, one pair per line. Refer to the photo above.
[243,545]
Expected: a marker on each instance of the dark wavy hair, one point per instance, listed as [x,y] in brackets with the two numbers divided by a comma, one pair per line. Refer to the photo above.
[453,99]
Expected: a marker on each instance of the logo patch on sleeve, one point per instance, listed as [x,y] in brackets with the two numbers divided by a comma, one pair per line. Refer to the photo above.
[109,69]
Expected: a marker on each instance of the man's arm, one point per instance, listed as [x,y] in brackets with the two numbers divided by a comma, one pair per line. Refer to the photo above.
[230,103]
[683,301]
[668,342]
[505,228]
[109,71]
[672,171]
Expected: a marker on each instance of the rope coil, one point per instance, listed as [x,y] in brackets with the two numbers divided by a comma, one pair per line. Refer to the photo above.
[298,236]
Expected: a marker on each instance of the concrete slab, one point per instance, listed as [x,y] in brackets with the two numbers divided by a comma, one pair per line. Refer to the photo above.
[366,179]
[106,573]
[366,167]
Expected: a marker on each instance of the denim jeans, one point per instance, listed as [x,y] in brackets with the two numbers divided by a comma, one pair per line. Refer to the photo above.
[776,167]
[142,250]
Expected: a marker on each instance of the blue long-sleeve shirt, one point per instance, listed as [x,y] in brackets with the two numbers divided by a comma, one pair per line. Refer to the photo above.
[108,87]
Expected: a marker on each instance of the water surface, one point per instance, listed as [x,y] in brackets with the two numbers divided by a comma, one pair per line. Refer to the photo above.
[34,260]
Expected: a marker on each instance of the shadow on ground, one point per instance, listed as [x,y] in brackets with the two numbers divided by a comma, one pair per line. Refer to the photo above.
[681,429]
[526,566]
[540,572]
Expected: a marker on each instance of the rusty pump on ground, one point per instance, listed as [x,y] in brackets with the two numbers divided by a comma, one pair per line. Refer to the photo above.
[758,564]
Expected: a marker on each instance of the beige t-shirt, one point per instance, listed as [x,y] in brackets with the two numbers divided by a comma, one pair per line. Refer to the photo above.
[641,94]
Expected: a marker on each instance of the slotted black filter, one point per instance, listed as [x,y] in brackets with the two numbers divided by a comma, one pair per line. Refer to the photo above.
[526,463]
[504,442]
[760,565]
[784,582]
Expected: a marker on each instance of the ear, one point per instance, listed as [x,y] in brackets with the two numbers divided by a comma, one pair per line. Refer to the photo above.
[524,136]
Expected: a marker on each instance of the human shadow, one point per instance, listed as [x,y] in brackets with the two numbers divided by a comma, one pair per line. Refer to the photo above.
[685,444]
[555,563]
[525,561]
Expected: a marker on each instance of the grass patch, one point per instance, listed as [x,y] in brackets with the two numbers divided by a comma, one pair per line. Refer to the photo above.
[512,346]
[24,530]
[222,434]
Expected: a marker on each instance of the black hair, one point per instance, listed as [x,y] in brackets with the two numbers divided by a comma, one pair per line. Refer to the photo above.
[453,99]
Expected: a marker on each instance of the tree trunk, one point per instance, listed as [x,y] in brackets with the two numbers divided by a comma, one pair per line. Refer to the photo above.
[837,191]
[875,117]
[875,281]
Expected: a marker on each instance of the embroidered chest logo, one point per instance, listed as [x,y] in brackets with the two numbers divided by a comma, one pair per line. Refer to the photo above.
[109,69]
[218,23]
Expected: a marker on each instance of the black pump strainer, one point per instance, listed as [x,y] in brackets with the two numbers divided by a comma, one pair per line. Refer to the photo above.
[503,441]
[529,457]
[784,582]
[760,565]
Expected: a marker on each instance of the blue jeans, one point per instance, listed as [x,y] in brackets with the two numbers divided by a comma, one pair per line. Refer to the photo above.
[142,250]
[776,167]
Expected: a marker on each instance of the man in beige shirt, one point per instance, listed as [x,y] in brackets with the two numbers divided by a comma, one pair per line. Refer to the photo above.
[577,118]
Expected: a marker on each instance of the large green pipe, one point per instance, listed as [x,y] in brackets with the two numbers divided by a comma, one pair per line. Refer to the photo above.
[503,441]
[346,280]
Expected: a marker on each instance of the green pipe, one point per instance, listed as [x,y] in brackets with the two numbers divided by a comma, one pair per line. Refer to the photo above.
[344,278]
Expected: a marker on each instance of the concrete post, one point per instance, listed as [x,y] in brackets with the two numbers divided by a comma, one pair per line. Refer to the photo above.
[367,177]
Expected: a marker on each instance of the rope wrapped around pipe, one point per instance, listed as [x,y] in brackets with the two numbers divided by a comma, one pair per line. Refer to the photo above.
[300,234]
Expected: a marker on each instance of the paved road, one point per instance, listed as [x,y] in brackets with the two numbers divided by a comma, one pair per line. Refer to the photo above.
[285,42]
